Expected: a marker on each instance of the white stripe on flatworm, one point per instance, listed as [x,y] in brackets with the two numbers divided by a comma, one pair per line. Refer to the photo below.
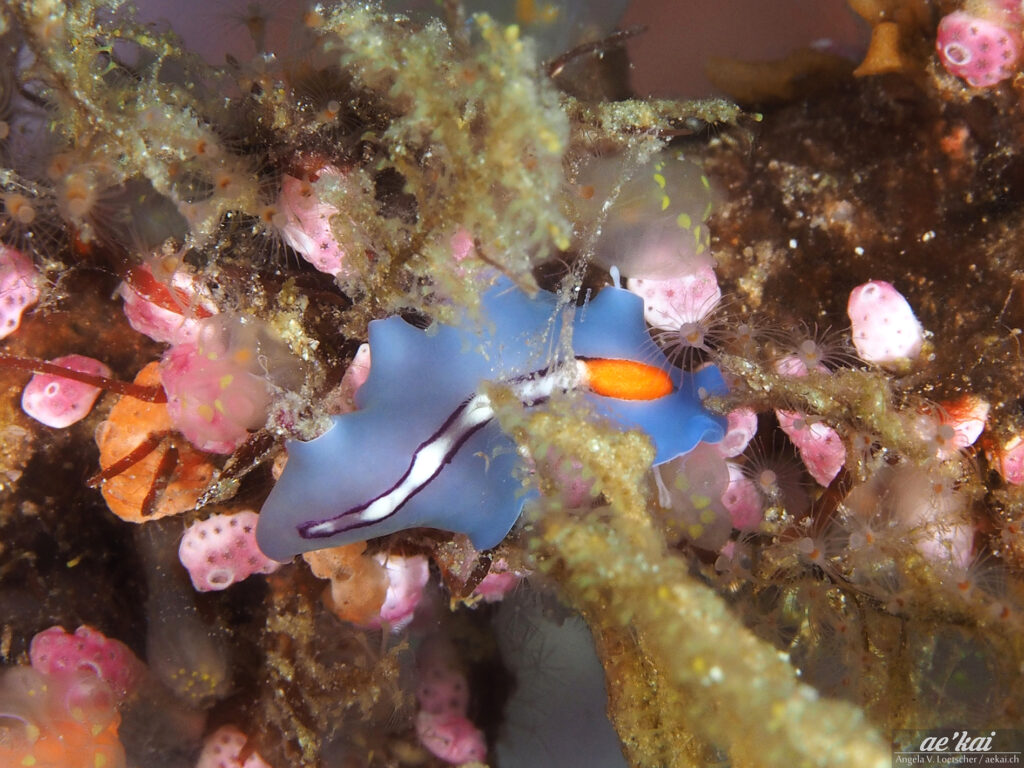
[440,448]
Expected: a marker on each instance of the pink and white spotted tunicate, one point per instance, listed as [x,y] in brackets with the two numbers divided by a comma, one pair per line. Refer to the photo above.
[58,402]
[57,652]
[885,330]
[452,738]
[741,500]
[821,449]
[223,748]
[681,301]
[307,224]
[221,551]
[19,288]
[979,50]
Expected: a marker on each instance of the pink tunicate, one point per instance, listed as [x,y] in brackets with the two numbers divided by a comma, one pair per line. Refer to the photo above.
[741,426]
[568,483]
[690,491]
[407,576]
[967,416]
[442,693]
[741,500]
[452,738]
[820,447]
[57,652]
[981,51]
[223,747]
[359,370]
[792,365]
[462,245]
[499,581]
[681,301]
[221,551]
[19,288]
[342,399]
[175,320]
[496,584]
[58,402]
[58,721]
[217,387]
[951,427]
[1009,461]
[885,330]
[211,402]
[442,690]
[307,225]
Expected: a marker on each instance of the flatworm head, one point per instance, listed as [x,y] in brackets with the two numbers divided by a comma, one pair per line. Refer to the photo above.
[423,449]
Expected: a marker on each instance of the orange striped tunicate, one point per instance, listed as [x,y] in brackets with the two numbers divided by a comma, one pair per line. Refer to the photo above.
[134,494]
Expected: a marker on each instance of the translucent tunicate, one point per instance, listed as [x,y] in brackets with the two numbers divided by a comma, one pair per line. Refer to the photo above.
[185,652]
[690,492]
[652,217]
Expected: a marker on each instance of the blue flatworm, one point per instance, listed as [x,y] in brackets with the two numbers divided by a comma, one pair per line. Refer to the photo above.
[423,448]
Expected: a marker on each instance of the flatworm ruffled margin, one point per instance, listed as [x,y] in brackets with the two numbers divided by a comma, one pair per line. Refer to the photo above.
[418,381]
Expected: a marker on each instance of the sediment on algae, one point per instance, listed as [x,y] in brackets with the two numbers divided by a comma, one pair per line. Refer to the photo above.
[717,685]
[476,136]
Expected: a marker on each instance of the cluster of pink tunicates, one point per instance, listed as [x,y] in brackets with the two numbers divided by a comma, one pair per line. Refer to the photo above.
[62,712]
[216,373]
[718,489]
[48,398]
[981,44]
[220,369]
[55,651]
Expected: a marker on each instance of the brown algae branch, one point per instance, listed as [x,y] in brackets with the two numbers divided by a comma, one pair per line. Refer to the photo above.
[737,689]
[615,121]
[148,394]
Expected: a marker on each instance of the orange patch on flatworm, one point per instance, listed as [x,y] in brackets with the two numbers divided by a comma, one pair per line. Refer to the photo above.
[627,379]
